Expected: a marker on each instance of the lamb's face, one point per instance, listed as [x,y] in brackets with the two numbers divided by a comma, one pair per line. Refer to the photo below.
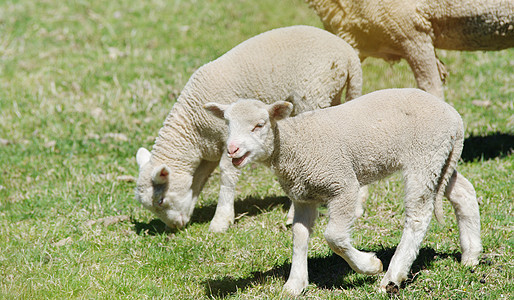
[250,128]
[168,198]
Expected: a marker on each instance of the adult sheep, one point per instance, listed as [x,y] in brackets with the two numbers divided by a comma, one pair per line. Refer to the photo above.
[309,63]
[362,141]
[412,29]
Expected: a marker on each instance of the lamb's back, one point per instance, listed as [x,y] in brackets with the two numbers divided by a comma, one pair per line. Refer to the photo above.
[272,65]
[376,134]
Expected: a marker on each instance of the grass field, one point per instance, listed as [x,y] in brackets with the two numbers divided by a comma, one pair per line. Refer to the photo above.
[84,84]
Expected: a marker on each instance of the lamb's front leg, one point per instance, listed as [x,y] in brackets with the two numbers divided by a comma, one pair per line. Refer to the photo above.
[343,211]
[304,216]
[224,215]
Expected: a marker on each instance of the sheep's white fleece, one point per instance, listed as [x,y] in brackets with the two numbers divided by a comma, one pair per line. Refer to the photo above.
[412,29]
[308,63]
[326,155]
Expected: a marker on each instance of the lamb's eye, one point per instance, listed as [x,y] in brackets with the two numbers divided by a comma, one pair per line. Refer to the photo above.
[161,201]
[258,126]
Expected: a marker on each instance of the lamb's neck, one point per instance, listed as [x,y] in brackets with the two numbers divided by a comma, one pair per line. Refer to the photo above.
[281,151]
[176,144]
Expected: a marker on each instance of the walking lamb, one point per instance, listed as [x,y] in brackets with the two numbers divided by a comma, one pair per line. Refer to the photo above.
[308,63]
[325,156]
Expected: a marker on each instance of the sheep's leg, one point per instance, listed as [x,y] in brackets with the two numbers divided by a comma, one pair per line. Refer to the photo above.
[463,198]
[343,211]
[290,215]
[353,81]
[201,176]
[419,206]
[304,216]
[426,68]
[363,196]
[224,215]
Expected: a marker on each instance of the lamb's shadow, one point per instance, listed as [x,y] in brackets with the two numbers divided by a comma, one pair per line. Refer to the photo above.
[249,206]
[490,146]
[154,227]
[325,272]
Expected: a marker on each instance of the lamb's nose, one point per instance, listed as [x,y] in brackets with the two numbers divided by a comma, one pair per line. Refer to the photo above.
[232,149]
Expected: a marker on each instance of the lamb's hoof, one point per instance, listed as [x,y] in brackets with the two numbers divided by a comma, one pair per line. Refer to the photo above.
[470,260]
[378,267]
[219,227]
[374,267]
[392,288]
[294,287]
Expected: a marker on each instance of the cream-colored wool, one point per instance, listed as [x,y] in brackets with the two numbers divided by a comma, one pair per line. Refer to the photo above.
[308,65]
[412,29]
[325,156]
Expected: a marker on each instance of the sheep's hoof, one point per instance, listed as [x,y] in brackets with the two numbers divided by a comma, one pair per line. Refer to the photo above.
[378,267]
[392,288]
[470,260]
[219,226]
[374,267]
[294,287]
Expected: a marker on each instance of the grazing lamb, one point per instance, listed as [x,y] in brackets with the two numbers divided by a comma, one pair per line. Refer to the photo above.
[325,156]
[309,64]
[412,29]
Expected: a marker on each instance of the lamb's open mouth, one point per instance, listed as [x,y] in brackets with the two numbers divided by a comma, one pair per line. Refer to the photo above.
[240,160]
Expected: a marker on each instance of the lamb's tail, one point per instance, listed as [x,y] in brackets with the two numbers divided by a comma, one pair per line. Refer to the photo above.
[447,172]
[354,79]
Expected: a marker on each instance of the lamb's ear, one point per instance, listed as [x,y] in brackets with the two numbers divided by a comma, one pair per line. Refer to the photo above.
[142,157]
[161,174]
[294,98]
[280,110]
[216,109]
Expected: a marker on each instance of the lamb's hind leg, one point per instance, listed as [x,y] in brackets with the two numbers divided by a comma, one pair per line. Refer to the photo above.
[342,213]
[419,206]
[463,198]
[224,215]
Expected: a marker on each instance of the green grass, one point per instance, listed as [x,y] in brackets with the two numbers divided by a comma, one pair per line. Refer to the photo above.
[84,84]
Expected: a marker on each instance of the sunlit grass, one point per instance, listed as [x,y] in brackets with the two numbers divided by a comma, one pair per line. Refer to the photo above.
[84,84]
